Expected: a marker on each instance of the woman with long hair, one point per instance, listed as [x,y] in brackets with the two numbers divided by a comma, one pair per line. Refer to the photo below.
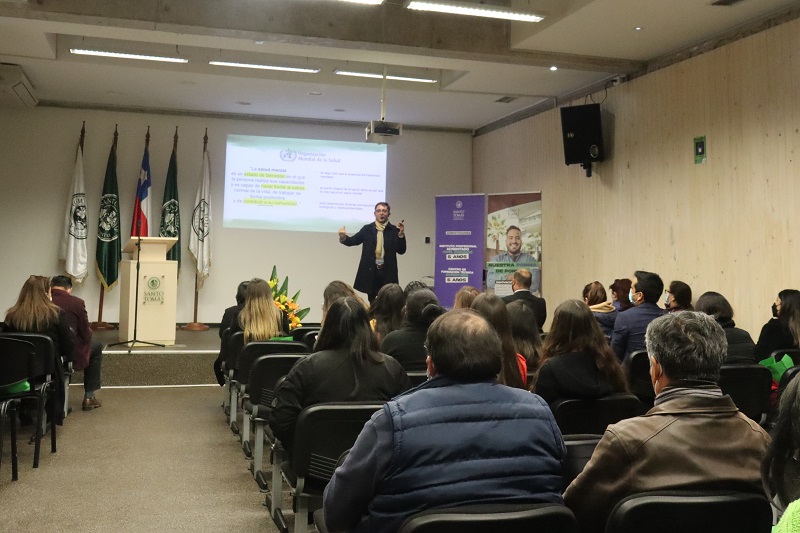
[619,294]
[678,297]
[577,361]
[35,312]
[514,367]
[594,295]
[407,344]
[527,339]
[386,310]
[740,344]
[465,296]
[346,367]
[783,330]
[780,470]
[260,317]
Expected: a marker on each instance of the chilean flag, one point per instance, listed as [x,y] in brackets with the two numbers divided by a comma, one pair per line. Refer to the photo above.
[141,208]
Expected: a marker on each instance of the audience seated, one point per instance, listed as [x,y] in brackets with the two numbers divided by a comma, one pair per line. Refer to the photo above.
[87,355]
[465,440]
[630,325]
[594,295]
[346,367]
[414,286]
[781,468]
[521,285]
[693,438]
[783,330]
[260,319]
[527,339]
[407,343]
[620,290]
[226,323]
[35,312]
[465,296]
[740,345]
[678,297]
[577,362]
[514,367]
[386,310]
[338,289]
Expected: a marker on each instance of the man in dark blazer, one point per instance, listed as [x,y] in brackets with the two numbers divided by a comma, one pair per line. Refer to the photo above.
[87,354]
[521,284]
[381,242]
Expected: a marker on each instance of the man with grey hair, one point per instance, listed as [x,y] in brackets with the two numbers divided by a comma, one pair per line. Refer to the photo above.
[693,438]
[458,438]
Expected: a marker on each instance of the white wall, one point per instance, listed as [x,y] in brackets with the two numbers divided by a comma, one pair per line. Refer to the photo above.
[37,150]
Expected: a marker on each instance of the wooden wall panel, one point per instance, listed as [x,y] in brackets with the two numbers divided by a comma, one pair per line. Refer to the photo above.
[729,225]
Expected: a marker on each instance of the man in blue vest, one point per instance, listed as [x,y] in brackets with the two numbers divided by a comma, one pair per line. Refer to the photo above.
[458,438]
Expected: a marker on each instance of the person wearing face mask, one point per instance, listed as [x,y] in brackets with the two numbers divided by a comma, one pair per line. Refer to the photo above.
[678,297]
[782,332]
[694,437]
[630,326]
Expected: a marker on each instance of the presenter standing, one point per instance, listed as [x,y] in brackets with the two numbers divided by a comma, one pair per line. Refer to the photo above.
[381,241]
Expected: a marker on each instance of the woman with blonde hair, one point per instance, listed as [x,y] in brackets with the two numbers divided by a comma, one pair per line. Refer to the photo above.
[260,319]
[465,296]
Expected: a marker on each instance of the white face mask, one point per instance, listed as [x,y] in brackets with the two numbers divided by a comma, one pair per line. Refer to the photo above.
[630,297]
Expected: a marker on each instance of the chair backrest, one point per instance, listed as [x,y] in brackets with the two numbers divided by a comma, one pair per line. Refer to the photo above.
[224,339]
[299,332]
[310,338]
[44,350]
[794,353]
[593,416]
[786,378]
[324,431]
[639,378]
[417,378]
[508,518]
[749,386]
[253,350]
[232,349]
[264,376]
[691,512]
[580,448]
[16,360]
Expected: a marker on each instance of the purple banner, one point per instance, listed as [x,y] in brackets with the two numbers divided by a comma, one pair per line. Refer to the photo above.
[460,240]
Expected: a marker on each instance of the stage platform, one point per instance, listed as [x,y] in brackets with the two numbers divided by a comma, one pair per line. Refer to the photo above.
[189,362]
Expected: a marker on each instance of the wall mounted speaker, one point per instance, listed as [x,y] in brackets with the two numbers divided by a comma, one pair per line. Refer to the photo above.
[582,132]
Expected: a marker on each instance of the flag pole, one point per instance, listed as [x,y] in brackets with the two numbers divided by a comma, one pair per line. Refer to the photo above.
[195,325]
[100,325]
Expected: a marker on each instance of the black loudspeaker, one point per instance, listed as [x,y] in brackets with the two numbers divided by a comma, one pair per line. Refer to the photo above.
[582,132]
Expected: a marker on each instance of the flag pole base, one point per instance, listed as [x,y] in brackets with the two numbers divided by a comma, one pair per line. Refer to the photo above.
[194,326]
[101,326]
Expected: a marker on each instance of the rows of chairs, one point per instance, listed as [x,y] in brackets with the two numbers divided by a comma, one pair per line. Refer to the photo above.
[29,357]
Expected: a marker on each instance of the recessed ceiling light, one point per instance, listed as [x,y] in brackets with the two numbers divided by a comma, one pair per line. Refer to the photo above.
[380,76]
[369,2]
[314,93]
[340,110]
[638,28]
[264,67]
[554,68]
[242,102]
[120,55]
[456,7]
[259,41]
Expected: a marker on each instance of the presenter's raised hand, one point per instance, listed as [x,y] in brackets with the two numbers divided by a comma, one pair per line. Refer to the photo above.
[342,233]
[401,229]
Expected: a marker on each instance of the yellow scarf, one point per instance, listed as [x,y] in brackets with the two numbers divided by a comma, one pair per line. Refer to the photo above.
[379,243]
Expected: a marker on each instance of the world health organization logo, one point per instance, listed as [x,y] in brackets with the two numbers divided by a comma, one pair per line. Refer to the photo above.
[287,154]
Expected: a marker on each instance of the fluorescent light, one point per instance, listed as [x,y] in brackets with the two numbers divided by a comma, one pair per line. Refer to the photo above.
[554,68]
[476,10]
[264,67]
[99,53]
[380,76]
[370,2]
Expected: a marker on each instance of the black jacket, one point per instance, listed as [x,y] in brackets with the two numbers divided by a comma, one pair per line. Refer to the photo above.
[774,336]
[406,345]
[572,376]
[368,238]
[741,348]
[538,305]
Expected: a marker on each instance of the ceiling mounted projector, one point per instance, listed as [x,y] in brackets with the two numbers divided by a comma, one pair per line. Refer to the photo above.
[382,132]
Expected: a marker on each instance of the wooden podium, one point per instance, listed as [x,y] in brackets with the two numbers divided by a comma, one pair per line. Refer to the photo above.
[158,291]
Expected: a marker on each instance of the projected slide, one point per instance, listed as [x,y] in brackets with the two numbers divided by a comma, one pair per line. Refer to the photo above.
[302,184]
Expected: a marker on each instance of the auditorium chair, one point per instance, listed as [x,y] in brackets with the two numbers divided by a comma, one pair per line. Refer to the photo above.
[324,431]
[44,387]
[750,387]
[241,374]
[17,363]
[580,448]
[691,512]
[593,416]
[225,338]
[233,346]
[788,376]
[417,378]
[794,353]
[502,517]
[299,333]
[639,378]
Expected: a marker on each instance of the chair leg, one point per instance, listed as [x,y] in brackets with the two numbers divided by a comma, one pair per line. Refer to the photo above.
[246,432]
[301,516]
[40,420]
[258,447]
[66,395]
[53,448]
[14,459]
[4,409]
[234,408]
[277,481]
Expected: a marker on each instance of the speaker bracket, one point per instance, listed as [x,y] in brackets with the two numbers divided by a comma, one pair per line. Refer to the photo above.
[588,168]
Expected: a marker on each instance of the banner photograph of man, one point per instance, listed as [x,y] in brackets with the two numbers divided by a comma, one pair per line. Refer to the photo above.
[381,241]
[515,219]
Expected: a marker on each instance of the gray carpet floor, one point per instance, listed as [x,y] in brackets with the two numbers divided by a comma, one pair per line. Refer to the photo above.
[148,460]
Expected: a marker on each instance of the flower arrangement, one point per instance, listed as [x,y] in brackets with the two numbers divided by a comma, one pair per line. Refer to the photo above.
[284,303]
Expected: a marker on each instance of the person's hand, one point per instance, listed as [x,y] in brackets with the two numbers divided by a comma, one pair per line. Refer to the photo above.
[402,229]
[342,233]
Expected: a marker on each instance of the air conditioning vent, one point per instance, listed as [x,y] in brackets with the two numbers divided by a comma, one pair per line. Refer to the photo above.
[15,89]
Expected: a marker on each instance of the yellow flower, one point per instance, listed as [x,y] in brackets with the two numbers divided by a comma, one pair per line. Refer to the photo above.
[282,298]
[272,283]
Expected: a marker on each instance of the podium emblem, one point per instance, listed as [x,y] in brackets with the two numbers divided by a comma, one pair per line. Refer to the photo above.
[153,283]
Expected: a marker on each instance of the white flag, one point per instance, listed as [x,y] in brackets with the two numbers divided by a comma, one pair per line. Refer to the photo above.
[200,236]
[73,239]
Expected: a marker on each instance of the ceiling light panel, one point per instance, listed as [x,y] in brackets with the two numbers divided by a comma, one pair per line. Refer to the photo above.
[264,67]
[380,76]
[121,55]
[368,2]
[455,7]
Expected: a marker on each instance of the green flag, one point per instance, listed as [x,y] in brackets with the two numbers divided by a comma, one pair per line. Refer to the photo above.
[170,209]
[109,247]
